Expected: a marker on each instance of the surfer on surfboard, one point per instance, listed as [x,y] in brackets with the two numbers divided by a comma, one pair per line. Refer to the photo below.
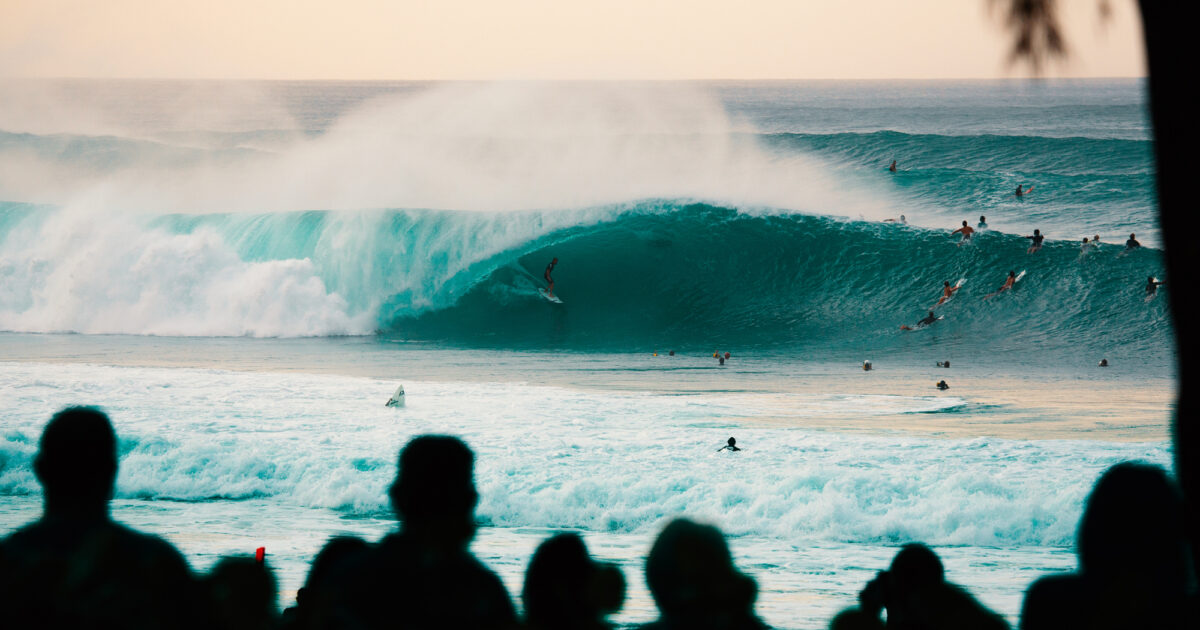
[1037,239]
[550,280]
[1008,284]
[1021,193]
[1152,285]
[730,445]
[948,291]
[967,231]
[924,321]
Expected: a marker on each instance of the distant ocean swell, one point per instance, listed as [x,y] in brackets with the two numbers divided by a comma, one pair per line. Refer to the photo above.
[654,273]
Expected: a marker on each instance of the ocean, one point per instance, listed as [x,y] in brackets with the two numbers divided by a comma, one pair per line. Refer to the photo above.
[241,273]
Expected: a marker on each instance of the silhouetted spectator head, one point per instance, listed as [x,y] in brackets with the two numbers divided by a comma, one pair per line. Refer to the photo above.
[1134,525]
[916,566]
[77,459]
[434,492]
[243,594]
[336,554]
[565,588]
[317,600]
[691,575]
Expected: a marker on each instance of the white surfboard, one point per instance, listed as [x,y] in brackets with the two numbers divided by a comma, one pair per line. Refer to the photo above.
[549,298]
[1019,276]
[957,285]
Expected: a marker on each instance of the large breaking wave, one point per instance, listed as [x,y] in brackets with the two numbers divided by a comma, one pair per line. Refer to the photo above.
[438,209]
[650,274]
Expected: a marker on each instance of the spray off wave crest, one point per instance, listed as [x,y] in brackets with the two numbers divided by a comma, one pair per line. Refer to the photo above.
[178,231]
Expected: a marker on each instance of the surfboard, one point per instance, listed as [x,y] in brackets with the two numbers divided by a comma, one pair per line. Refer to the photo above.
[957,285]
[1019,276]
[1152,295]
[549,298]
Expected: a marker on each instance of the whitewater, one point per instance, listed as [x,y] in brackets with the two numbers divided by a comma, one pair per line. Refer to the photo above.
[240,274]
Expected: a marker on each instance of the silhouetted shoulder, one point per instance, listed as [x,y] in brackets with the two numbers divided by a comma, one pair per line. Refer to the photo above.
[99,574]
[426,588]
[1052,601]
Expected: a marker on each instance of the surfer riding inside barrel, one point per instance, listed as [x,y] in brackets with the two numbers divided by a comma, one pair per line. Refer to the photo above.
[730,444]
[550,280]
[966,233]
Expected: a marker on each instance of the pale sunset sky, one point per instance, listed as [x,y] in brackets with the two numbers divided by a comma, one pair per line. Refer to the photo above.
[545,39]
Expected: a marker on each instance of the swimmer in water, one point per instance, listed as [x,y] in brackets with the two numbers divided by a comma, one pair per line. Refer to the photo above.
[1096,241]
[942,385]
[892,168]
[902,220]
[1083,249]
[867,366]
[731,445]
[1021,193]
[1037,239]
[1008,284]
[1103,362]
[550,280]
[947,292]
[1152,285]
[1132,243]
[943,364]
[924,321]
[966,233]
[982,222]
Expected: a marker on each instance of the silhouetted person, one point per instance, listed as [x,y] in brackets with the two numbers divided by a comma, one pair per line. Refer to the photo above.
[316,601]
[691,575]
[730,445]
[566,590]
[855,619]
[1134,568]
[917,596]
[243,594]
[423,576]
[74,567]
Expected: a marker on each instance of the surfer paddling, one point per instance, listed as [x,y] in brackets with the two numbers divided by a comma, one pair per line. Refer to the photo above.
[902,220]
[966,230]
[1008,284]
[1152,285]
[947,292]
[549,279]
[924,321]
[1037,237]
[730,445]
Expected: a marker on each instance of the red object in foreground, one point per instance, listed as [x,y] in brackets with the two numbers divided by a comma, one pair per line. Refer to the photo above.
[260,554]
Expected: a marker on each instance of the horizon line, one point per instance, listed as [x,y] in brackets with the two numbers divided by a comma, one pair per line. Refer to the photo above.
[569,80]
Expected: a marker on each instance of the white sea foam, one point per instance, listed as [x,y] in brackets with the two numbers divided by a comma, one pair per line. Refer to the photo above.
[604,461]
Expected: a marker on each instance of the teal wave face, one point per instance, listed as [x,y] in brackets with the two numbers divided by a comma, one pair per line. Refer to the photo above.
[650,275]
[702,276]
